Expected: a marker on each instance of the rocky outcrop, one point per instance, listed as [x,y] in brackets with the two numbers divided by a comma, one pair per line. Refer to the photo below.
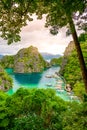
[29,60]
[67,53]
[25,61]
[69,49]
[5,80]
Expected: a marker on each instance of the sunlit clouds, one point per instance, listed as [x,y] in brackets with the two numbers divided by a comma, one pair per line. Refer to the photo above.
[37,35]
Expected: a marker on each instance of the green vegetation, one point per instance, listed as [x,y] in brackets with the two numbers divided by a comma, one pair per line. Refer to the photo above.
[75,117]
[72,71]
[40,109]
[31,109]
[83,37]
[26,60]
[56,61]
[7,61]
[29,60]
[17,13]
[5,80]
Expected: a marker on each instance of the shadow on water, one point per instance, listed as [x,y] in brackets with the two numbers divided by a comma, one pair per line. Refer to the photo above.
[28,78]
[38,80]
[31,80]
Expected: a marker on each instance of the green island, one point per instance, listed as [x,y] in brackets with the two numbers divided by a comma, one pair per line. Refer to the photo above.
[25,61]
[54,94]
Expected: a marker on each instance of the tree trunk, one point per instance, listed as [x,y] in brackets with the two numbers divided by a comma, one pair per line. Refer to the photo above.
[79,52]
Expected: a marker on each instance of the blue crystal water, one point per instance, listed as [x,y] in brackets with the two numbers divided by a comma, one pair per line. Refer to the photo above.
[37,80]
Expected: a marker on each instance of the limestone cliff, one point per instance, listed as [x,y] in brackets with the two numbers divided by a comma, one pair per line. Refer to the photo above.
[28,60]
[25,61]
[68,51]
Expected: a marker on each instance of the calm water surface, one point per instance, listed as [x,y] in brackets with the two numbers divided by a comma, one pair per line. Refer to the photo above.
[37,80]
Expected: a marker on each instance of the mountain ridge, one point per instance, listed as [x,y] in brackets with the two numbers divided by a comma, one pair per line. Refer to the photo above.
[49,56]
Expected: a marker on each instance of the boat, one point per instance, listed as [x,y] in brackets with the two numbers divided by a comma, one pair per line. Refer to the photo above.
[58,87]
[48,76]
[60,90]
[60,81]
[49,84]
[55,76]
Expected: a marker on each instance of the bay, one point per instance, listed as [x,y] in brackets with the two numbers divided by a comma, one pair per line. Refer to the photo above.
[45,79]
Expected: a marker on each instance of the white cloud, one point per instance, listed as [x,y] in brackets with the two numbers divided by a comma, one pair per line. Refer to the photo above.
[37,35]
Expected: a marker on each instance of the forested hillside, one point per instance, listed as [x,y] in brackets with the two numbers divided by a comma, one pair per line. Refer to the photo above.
[71,69]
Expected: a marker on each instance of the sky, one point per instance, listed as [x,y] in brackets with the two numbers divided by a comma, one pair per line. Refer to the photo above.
[37,35]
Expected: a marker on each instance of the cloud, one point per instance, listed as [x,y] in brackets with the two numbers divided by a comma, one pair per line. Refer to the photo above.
[37,35]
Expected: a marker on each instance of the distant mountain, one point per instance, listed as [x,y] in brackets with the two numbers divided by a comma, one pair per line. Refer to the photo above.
[48,56]
[1,56]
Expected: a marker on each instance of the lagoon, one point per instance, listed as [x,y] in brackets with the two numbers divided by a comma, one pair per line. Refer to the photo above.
[38,80]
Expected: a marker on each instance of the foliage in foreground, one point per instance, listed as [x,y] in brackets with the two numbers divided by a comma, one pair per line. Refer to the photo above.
[40,109]
[14,14]
[31,109]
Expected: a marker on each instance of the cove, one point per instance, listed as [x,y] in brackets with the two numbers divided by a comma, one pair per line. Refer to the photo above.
[38,80]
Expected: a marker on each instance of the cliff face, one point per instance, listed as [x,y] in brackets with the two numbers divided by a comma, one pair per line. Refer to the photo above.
[72,71]
[28,60]
[5,80]
[69,49]
[67,53]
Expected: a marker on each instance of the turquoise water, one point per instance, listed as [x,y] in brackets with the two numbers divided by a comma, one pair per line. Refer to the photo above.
[38,80]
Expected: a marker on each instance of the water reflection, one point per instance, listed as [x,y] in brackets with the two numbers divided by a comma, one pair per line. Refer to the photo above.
[46,79]
[32,80]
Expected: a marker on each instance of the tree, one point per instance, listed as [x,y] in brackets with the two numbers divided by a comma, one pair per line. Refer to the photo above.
[15,13]
[75,116]
[60,13]
[34,109]
[13,16]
